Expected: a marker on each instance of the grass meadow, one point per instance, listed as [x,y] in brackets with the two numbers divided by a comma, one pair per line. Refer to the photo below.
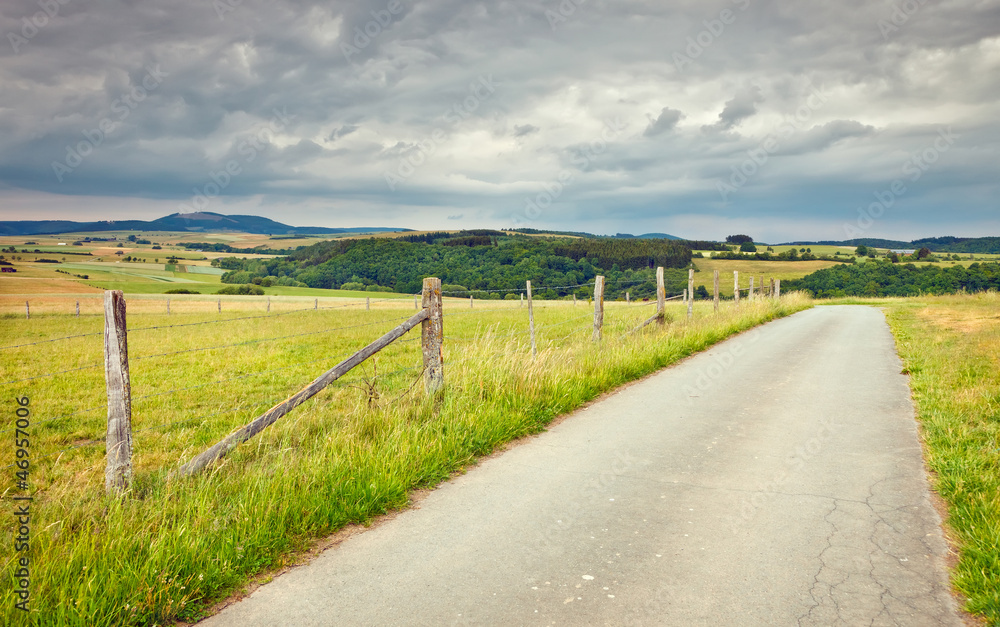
[355,451]
[950,346]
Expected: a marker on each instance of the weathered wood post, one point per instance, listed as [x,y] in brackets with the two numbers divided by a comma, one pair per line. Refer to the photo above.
[777,289]
[27,310]
[316,304]
[531,321]
[598,307]
[470,302]
[522,299]
[770,289]
[750,291]
[118,473]
[690,293]
[760,290]
[716,296]
[684,296]
[432,336]
[574,300]
[416,301]
[368,303]
[627,298]
[661,297]
[268,304]
[220,305]
[77,309]
[736,287]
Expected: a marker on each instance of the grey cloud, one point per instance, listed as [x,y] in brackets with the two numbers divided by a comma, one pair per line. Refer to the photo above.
[666,121]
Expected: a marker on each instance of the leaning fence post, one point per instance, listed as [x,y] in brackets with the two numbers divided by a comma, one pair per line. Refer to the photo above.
[690,293]
[661,297]
[432,336]
[598,307]
[531,321]
[716,296]
[736,287]
[118,473]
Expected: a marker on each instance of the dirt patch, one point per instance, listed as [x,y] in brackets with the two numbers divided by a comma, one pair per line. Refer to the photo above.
[971,321]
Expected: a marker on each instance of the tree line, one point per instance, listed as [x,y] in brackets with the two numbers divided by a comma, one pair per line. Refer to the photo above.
[882,278]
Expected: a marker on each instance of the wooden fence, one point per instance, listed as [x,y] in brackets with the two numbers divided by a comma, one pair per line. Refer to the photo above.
[118,473]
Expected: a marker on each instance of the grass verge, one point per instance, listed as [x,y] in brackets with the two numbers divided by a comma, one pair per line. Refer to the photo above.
[950,346]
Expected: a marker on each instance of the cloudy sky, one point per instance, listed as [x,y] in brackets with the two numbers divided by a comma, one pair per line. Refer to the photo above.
[783,119]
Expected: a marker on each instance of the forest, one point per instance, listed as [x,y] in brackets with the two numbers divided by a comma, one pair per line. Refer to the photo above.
[486,264]
[882,278]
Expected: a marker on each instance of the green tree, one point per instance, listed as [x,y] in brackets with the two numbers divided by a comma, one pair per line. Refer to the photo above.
[748,247]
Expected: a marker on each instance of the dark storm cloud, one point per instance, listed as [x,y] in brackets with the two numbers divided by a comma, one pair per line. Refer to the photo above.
[416,112]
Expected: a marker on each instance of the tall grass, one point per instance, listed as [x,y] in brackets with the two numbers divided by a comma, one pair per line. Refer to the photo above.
[951,347]
[352,453]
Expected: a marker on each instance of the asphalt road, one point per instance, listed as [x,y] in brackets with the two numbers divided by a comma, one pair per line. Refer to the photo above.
[775,479]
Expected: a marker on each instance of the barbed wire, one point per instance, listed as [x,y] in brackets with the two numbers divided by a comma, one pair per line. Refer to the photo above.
[55,339]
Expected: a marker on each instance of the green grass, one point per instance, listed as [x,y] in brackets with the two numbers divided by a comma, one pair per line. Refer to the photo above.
[951,348]
[350,454]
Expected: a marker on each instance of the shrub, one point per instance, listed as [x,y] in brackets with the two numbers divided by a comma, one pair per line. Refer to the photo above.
[242,290]
[180,291]
[357,287]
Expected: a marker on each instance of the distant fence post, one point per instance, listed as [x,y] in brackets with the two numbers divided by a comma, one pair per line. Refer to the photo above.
[118,473]
[716,297]
[220,305]
[416,301]
[316,304]
[268,304]
[736,287]
[522,299]
[471,305]
[531,321]
[77,309]
[27,310]
[598,307]
[368,303]
[574,300]
[661,297]
[690,293]
[760,290]
[750,291]
[432,336]
[627,299]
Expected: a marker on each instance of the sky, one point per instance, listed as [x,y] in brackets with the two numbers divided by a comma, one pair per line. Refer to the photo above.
[785,120]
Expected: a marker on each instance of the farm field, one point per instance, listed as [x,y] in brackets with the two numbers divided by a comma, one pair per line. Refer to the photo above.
[783,270]
[350,454]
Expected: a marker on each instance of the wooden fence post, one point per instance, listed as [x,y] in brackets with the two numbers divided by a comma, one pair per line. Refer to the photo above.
[716,291]
[750,291]
[77,309]
[627,299]
[432,336]
[471,306]
[522,299]
[118,473]
[316,304]
[777,288]
[368,303]
[574,300]
[268,304]
[736,287]
[531,321]
[760,290]
[416,301]
[690,293]
[27,310]
[598,307]
[661,297]
[220,305]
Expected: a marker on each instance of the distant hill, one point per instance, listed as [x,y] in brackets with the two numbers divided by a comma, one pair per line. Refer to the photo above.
[981,245]
[202,221]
